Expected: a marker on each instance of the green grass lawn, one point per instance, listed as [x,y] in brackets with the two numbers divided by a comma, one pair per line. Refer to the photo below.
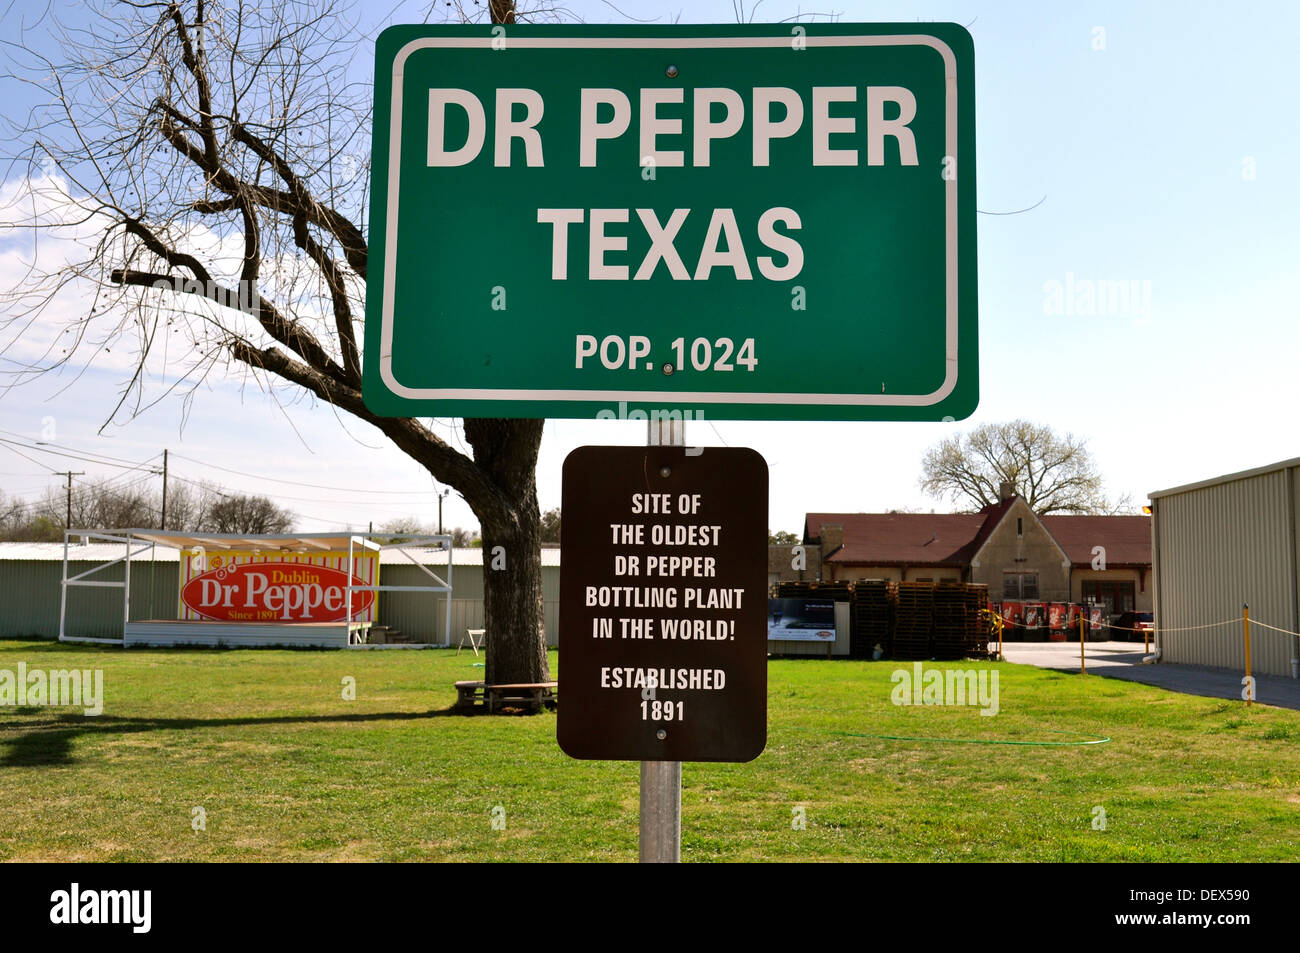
[285,769]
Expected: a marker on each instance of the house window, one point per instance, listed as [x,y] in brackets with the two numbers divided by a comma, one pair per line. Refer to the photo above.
[1113,595]
[1020,526]
[1020,585]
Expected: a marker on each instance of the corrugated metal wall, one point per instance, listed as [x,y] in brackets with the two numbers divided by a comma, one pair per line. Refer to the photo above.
[421,616]
[29,599]
[1217,547]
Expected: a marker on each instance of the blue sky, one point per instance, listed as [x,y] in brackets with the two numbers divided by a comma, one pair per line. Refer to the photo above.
[1167,160]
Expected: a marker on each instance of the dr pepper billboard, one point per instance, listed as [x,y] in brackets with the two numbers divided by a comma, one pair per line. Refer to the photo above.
[275,591]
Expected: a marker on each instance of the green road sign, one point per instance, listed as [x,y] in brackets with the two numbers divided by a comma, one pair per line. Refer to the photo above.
[730,222]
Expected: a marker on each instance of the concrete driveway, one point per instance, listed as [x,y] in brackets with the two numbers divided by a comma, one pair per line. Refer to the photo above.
[1124,660]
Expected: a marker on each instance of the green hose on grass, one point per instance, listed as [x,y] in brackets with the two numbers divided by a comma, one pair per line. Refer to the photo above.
[1096,739]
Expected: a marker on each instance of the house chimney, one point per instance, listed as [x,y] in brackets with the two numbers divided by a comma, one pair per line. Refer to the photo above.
[1006,490]
[832,537]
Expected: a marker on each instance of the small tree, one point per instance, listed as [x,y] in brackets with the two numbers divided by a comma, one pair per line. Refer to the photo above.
[29,522]
[551,526]
[1052,473]
[248,514]
[781,538]
[401,529]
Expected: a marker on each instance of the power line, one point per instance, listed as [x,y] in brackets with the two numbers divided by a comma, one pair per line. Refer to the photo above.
[86,453]
[27,458]
[75,456]
[394,506]
[328,521]
[82,494]
[314,486]
[103,483]
[90,456]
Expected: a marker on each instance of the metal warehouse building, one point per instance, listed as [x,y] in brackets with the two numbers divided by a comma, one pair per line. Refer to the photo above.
[30,575]
[1218,544]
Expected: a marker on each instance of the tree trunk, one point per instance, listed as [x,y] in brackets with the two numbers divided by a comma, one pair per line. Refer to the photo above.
[506,452]
[512,594]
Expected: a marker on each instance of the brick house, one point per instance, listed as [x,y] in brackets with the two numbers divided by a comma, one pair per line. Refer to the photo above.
[1018,555]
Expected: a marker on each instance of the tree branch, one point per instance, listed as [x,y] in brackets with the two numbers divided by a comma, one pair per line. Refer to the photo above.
[288,332]
[447,465]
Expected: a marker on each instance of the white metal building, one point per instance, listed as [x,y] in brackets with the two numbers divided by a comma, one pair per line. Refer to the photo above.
[1222,543]
[30,575]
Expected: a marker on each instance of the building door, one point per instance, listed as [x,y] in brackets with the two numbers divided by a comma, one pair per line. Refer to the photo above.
[1113,595]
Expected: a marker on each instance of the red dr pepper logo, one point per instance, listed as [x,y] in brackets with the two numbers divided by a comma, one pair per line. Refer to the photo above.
[274,592]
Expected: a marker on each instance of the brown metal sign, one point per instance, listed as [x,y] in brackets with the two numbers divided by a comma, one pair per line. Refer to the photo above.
[663,598]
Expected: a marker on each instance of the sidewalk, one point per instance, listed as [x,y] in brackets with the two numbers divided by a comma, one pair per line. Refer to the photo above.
[1124,660]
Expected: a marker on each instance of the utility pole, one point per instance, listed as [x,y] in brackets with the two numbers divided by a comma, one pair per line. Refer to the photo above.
[163,522]
[67,519]
[441,497]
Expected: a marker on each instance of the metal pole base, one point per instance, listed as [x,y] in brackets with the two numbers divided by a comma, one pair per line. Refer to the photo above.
[661,812]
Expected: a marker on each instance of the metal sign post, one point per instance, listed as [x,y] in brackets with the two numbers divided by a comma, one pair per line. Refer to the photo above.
[661,812]
[661,781]
[663,597]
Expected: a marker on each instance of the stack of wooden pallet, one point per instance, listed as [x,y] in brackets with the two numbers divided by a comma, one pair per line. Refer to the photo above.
[873,617]
[831,591]
[914,621]
[950,635]
[978,632]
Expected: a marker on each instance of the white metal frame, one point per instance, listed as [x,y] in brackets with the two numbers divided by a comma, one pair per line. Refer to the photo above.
[421,542]
[151,538]
[126,537]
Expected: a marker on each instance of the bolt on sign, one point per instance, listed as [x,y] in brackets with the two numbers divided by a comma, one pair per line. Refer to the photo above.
[746,222]
[663,604]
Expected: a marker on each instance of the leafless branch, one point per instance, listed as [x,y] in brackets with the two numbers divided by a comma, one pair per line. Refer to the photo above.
[1053,473]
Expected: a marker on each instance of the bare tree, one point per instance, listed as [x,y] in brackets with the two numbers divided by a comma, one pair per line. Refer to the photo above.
[192,506]
[211,158]
[1054,474]
[99,503]
[247,514]
[28,522]
[190,503]
[401,529]
[33,529]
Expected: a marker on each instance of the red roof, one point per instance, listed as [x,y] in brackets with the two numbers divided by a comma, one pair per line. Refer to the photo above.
[952,539]
[883,539]
[1127,539]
